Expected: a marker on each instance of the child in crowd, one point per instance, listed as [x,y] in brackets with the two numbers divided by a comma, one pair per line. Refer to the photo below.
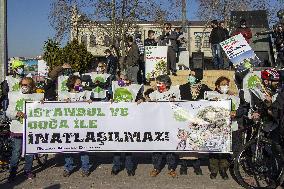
[75,93]
[16,114]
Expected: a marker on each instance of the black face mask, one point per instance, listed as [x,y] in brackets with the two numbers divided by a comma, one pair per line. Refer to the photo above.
[67,72]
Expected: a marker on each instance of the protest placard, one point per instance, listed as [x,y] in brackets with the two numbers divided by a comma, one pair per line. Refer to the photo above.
[156,61]
[42,68]
[199,126]
[237,49]
[98,91]
[16,104]
[125,93]
[252,83]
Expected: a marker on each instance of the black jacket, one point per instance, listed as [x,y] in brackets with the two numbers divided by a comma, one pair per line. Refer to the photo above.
[217,35]
[150,42]
[185,92]
[112,63]
[277,109]
[278,40]
[171,39]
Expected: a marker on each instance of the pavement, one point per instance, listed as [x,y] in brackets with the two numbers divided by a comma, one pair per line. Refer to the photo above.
[50,176]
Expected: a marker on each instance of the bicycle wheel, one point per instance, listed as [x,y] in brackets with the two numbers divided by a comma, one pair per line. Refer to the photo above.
[41,159]
[259,164]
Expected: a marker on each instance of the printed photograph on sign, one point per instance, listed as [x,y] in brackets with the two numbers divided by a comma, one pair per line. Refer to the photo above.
[155,61]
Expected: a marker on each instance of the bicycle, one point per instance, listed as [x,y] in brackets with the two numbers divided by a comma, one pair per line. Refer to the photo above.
[6,144]
[259,162]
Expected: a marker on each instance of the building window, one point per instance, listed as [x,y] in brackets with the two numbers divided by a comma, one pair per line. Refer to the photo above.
[107,41]
[206,43]
[93,41]
[197,41]
[84,40]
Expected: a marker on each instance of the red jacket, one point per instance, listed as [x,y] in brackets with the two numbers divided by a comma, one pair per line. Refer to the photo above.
[246,32]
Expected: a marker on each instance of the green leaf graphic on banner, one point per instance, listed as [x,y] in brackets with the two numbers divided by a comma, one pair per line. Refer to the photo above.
[253,81]
[247,64]
[20,107]
[122,95]
[101,80]
[63,86]
[179,117]
[234,106]
[16,87]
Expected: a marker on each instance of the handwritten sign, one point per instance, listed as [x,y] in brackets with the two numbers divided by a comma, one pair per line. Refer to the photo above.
[237,49]
[156,61]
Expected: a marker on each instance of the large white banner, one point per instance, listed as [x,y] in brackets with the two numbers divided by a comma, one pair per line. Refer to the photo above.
[155,61]
[200,126]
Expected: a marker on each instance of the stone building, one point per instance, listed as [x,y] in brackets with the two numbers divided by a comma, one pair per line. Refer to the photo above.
[93,34]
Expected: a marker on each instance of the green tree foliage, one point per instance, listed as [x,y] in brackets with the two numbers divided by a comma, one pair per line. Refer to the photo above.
[73,53]
[52,53]
[77,56]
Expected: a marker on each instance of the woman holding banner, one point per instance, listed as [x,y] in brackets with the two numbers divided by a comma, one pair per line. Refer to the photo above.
[164,92]
[75,93]
[219,162]
[193,90]
[15,112]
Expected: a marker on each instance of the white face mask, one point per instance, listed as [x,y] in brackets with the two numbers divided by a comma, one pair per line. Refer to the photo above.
[20,71]
[224,89]
[25,89]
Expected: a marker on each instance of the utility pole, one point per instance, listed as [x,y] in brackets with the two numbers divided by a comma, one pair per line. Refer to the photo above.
[183,5]
[3,39]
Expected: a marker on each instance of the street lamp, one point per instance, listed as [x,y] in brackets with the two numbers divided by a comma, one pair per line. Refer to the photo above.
[3,39]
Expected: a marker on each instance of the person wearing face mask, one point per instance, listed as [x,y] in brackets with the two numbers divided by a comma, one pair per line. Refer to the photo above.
[125,93]
[11,82]
[75,93]
[27,92]
[244,30]
[164,92]
[219,162]
[101,68]
[222,85]
[193,90]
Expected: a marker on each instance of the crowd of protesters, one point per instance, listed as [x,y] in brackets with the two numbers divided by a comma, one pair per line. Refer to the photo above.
[131,72]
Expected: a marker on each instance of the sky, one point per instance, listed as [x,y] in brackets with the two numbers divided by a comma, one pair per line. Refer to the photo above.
[28,26]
